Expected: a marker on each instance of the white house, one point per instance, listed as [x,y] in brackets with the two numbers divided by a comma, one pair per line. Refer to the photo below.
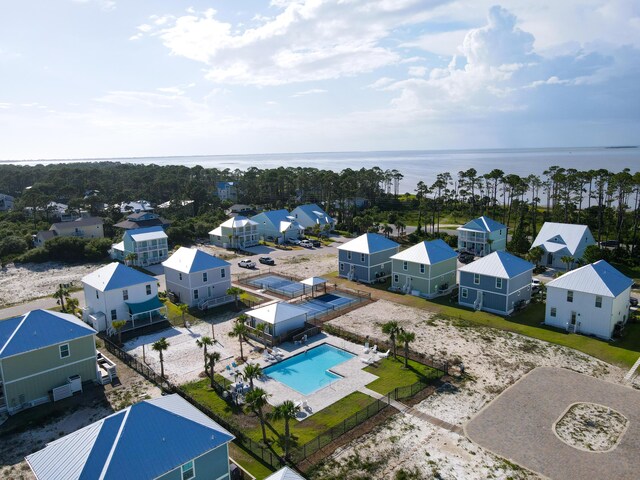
[84,227]
[117,292]
[590,300]
[197,278]
[562,240]
[278,225]
[6,202]
[482,235]
[237,232]
[311,216]
[135,207]
[281,318]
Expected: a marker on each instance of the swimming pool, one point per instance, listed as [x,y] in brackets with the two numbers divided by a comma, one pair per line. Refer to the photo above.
[309,371]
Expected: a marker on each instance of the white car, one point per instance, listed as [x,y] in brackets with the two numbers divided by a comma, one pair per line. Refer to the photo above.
[247,263]
[306,244]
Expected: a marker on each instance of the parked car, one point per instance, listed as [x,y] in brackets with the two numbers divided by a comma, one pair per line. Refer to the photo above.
[294,241]
[633,301]
[247,263]
[316,243]
[267,260]
[466,258]
[306,244]
[535,285]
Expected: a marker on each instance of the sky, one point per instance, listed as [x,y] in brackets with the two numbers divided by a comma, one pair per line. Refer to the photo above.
[115,78]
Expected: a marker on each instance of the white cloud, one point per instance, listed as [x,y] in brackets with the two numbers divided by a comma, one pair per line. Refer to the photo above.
[381,83]
[312,91]
[305,41]
[417,71]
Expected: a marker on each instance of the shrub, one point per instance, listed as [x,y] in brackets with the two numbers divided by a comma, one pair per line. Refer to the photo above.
[12,245]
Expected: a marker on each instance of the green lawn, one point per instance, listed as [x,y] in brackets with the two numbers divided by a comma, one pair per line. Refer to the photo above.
[247,461]
[175,316]
[393,374]
[302,432]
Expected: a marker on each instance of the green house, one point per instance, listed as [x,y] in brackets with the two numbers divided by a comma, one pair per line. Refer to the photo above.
[44,356]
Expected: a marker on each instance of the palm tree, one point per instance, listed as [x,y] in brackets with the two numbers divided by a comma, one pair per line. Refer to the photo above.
[130,258]
[213,357]
[240,331]
[184,308]
[262,328]
[235,291]
[160,346]
[61,294]
[387,230]
[535,255]
[252,371]
[286,411]
[406,337]
[391,328]
[72,305]
[204,342]
[568,260]
[118,325]
[256,400]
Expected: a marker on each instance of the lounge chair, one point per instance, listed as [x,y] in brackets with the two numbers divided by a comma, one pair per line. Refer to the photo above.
[374,349]
[278,352]
[385,354]
[365,348]
[234,365]
[306,406]
[368,360]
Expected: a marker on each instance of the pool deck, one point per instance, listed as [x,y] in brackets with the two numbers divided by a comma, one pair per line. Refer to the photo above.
[354,377]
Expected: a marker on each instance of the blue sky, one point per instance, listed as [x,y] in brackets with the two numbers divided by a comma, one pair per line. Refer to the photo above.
[109,78]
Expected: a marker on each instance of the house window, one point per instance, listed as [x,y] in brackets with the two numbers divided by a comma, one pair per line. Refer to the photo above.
[553,311]
[395,278]
[499,283]
[223,273]
[64,350]
[476,278]
[422,268]
[114,315]
[342,267]
[125,294]
[570,296]
[97,294]
[598,302]
[348,255]
[362,257]
[180,276]
[195,294]
[405,265]
[464,293]
[204,276]
[188,471]
[148,289]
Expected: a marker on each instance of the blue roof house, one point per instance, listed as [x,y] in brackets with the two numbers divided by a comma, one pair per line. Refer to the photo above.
[117,292]
[481,236]
[498,283]
[227,191]
[197,278]
[367,258]
[278,225]
[590,300]
[44,356]
[164,438]
[311,216]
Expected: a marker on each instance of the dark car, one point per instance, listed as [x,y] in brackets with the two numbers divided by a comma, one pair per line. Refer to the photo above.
[316,243]
[267,260]
[465,258]
[633,301]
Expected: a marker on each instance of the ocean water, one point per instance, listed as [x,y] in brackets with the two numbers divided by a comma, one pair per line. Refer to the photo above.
[414,165]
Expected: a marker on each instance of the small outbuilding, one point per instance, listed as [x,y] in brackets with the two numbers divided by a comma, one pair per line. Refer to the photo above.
[593,300]
[315,283]
[281,318]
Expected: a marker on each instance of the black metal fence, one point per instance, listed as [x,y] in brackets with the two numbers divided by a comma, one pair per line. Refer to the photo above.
[298,454]
[429,360]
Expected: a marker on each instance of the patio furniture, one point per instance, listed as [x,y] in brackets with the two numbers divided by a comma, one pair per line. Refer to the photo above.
[368,360]
[365,348]
[385,354]
[306,406]
[374,349]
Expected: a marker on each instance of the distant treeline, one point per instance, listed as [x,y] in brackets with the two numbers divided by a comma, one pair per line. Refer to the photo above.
[361,200]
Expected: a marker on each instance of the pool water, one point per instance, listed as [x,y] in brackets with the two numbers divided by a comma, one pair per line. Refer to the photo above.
[308,371]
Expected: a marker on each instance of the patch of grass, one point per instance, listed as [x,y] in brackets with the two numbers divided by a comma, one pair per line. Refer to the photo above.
[175,316]
[247,461]
[392,374]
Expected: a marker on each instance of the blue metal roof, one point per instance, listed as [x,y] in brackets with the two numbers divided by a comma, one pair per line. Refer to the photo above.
[39,329]
[275,216]
[138,231]
[144,441]
[499,264]
[484,224]
[598,278]
[115,276]
[224,184]
[369,243]
[191,260]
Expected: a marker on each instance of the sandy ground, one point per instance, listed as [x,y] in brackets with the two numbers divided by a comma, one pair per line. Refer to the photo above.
[34,280]
[90,408]
[493,360]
